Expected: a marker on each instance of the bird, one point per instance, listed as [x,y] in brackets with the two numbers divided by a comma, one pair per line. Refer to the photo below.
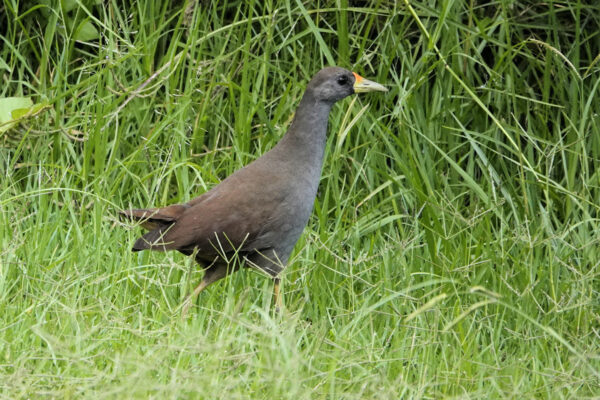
[255,216]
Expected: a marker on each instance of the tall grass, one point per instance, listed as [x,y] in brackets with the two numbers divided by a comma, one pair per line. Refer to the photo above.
[453,249]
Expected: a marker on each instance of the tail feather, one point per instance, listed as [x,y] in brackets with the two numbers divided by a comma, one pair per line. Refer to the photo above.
[155,218]
[157,221]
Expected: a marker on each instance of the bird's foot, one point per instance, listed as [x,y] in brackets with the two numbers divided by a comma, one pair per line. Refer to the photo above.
[187,304]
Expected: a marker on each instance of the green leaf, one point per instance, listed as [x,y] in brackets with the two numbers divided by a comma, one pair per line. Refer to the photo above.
[68,5]
[9,104]
[86,31]
[14,108]
[22,112]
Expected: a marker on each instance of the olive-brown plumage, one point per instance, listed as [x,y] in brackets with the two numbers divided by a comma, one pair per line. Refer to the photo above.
[259,212]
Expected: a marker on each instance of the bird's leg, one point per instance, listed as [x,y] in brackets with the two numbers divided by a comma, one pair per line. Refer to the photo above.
[267,260]
[213,274]
[190,298]
[277,295]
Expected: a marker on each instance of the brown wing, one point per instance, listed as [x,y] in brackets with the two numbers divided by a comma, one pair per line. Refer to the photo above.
[229,217]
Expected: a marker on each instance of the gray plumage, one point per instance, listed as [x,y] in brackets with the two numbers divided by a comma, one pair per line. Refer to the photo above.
[260,211]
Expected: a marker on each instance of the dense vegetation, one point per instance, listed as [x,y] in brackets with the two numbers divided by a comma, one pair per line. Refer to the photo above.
[453,249]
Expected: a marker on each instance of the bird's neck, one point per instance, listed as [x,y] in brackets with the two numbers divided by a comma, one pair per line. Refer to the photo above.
[309,127]
[302,148]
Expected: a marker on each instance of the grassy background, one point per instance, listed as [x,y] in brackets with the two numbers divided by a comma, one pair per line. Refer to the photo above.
[453,249]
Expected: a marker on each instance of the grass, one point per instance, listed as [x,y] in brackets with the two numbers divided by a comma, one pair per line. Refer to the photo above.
[453,249]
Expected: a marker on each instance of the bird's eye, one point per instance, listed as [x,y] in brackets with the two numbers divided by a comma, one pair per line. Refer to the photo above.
[342,80]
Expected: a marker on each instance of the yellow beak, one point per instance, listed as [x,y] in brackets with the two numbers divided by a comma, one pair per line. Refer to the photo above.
[362,85]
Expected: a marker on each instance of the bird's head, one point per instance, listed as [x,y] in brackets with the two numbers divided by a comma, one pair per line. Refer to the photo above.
[333,83]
